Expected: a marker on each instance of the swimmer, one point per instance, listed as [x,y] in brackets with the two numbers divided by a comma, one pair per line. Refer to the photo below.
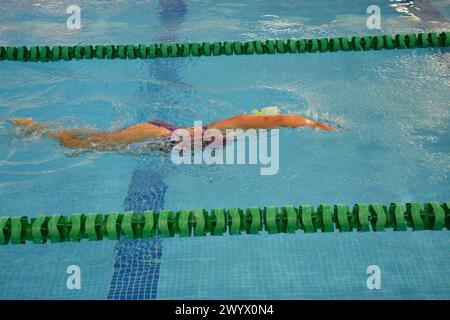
[265,118]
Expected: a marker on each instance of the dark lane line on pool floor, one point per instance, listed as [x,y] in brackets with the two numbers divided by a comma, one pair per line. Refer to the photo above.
[137,263]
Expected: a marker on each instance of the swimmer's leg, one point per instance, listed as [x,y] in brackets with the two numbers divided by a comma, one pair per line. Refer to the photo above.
[68,138]
[100,140]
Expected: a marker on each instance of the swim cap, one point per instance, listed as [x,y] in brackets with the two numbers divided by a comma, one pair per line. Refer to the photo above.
[267,111]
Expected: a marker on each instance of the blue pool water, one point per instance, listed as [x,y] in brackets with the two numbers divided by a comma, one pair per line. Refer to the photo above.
[396,104]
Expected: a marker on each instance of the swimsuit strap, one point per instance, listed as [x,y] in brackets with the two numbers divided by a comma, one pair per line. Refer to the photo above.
[170,127]
[161,123]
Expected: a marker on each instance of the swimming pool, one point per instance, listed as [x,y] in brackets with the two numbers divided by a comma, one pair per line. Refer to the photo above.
[398,149]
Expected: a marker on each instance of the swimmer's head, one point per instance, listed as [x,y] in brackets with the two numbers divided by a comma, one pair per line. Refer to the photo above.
[273,110]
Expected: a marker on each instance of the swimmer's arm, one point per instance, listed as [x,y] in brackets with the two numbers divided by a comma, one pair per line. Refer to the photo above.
[245,121]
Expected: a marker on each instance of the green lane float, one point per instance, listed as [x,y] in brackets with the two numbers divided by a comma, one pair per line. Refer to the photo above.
[217,48]
[199,222]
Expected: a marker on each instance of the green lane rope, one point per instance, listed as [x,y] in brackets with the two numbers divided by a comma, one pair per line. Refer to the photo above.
[172,50]
[199,222]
